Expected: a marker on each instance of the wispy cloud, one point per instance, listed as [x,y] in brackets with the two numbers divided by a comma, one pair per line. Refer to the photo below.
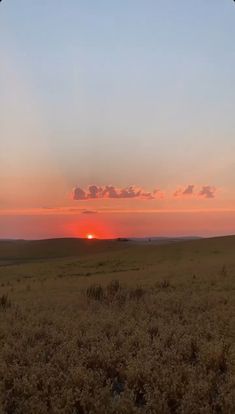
[89,212]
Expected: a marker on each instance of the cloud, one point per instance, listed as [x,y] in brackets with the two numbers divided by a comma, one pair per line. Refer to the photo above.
[79,194]
[187,191]
[110,191]
[89,212]
[94,192]
[207,191]
[157,193]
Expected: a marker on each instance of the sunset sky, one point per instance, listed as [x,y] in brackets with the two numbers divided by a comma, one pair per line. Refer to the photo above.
[117,118]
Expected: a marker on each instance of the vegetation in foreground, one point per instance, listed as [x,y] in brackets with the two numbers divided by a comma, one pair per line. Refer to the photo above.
[140,329]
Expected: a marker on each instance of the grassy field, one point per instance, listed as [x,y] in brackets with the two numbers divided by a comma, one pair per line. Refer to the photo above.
[117,327]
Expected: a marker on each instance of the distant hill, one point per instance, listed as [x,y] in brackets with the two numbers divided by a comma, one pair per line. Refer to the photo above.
[163,240]
[64,247]
[21,250]
[51,248]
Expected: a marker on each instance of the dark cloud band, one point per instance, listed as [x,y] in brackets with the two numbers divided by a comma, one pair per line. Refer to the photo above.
[110,191]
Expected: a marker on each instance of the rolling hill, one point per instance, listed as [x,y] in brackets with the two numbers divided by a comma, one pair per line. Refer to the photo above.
[106,326]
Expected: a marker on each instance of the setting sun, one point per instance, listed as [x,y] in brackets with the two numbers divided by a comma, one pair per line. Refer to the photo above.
[90,236]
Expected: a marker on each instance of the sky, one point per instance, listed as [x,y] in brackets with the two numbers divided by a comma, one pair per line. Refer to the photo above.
[117,118]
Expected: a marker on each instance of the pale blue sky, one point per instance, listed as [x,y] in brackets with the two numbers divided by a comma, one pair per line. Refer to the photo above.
[117,92]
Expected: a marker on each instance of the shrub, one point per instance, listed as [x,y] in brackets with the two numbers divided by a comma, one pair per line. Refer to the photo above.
[224,271]
[4,302]
[113,287]
[95,292]
[137,293]
[163,284]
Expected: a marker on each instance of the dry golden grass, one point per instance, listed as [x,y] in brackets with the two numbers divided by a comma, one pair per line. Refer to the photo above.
[128,329]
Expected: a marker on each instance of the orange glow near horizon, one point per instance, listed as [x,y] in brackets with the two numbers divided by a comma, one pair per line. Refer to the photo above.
[113,225]
[91,226]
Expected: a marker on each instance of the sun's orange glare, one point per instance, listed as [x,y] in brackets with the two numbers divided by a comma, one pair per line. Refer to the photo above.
[90,236]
